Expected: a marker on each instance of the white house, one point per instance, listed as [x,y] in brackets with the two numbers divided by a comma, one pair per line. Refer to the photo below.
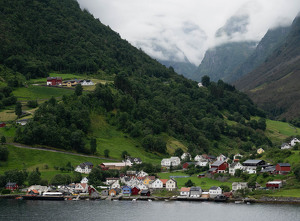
[84,180]
[235,166]
[81,187]
[142,174]
[200,84]
[115,185]
[237,156]
[186,156]
[199,158]
[202,163]
[142,186]
[39,188]
[185,191]
[214,191]
[86,82]
[221,157]
[132,160]
[175,161]
[239,185]
[157,184]
[84,168]
[294,141]
[111,180]
[285,146]
[171,184]
[250,166]
[195,192]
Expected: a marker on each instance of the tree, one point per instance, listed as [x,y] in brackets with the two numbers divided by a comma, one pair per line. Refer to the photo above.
[205,81]
[189,183]
[178,152]
[297,172]
[78,90]
[225,188]
[124,154]
[18,109]
[4,153]
[34,177]
[106,153]
[93,145]
[3,140]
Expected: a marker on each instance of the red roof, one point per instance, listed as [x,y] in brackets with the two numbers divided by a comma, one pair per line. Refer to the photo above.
[164,181]
[185,189]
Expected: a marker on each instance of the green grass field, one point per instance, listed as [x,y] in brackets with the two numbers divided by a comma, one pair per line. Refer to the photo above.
[277,131]
[29,159]
[286,193]
[108,137]
[204,183]
[39,93]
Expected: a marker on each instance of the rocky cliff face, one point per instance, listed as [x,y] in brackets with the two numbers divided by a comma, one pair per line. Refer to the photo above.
[274,85]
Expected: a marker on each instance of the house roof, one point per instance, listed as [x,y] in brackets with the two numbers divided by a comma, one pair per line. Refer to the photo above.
[185,189]
[214,188]
[212,169]
[11,184]
[217,163]
[254,162]
[284,164]
[195,188]
[268,169]
[145,191]
[164,181]
[35,191]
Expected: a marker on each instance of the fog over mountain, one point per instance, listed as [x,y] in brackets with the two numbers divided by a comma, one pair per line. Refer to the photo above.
[187,29]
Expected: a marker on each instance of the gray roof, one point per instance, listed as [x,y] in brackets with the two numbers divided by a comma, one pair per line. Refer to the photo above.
[214,188]
[254,162]
[268,169]
[195,188]
[284,164]
[217,163]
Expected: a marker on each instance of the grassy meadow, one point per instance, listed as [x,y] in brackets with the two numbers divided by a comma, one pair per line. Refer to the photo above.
[108,137]
[29,159]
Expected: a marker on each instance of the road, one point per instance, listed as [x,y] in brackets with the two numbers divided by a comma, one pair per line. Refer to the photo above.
[59,151]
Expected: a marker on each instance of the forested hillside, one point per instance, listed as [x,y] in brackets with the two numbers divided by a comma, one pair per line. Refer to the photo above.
[274,84]
[147,101]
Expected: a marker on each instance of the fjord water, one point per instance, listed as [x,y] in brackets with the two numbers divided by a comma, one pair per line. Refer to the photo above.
[144,210]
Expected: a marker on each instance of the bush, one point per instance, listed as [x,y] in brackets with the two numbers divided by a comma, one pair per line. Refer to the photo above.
[4,153]
[32,104]
[6,191]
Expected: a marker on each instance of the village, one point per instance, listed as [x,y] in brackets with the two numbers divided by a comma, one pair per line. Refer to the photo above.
[133,185]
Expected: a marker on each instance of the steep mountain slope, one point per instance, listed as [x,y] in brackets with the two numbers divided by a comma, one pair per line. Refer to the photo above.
[147,101]
[274,85]
[220,62]
[39,36]
[186,68]
[269,42]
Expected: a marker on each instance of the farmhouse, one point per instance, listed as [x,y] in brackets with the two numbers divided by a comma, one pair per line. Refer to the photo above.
[84,168]
[235,166]
[283,168]
[114,166]
[185,191]
[294,141]
[157,184]
[219,167]
[54,81]
[86,82]
[250,166]
[171,184]
[167,162]
[277,184]
[285,146]
[239,186]
[214,191]
[11,186]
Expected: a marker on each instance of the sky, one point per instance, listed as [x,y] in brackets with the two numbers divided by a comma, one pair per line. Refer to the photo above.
[181,30]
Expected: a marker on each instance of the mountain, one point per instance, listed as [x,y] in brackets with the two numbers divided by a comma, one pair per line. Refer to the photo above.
[59,36]
[274,85]
[148,102]
[269,42]
[184,68]
[221,61]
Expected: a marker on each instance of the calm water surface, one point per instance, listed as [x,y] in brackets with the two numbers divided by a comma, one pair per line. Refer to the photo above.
[143,210]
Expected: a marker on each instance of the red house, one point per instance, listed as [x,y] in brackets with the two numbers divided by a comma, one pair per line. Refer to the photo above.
[135,191]
[219,166]
[277,184]
[11,186]
[53,81]
[2,124]
[283,168]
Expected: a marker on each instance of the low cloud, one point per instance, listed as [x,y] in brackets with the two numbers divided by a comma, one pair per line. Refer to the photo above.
[180,30]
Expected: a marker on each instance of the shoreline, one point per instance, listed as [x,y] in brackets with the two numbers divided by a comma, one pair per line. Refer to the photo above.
[262,200]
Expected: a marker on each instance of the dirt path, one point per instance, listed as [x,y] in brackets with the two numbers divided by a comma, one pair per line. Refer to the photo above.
[58,151]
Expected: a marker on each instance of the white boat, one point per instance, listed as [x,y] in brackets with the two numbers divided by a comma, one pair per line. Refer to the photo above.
[150,200]
[133,200]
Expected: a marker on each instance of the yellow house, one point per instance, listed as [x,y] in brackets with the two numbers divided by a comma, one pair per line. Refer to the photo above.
[148,179]
[69,83]
[260,151]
